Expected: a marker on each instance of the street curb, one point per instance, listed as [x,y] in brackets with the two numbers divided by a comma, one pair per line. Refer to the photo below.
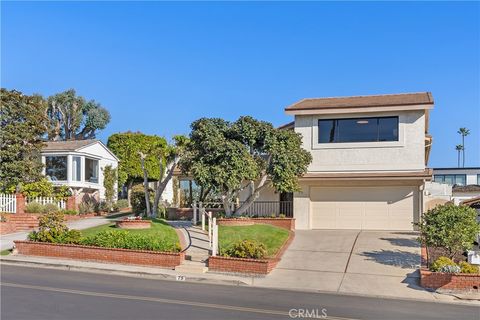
[205,280]
[131,274]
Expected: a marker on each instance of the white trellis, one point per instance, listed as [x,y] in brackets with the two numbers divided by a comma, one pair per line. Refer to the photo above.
[45,200]
[8,203]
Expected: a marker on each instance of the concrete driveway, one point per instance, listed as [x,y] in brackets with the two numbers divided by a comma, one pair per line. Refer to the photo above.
[365,262]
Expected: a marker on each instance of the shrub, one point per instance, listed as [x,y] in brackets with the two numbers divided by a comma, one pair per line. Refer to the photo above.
[102,207]
[468,268]
[86,207]
[137,199]
[52,228]
[122,203]
[247,249]
[114,207]
[34,207]
[109,179]
[126,240]
[449,227]
[50,207]
[440,263]
[42,188]
[70,212]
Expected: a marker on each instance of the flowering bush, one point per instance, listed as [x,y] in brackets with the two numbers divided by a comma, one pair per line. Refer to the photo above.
[450,269]
[132,218]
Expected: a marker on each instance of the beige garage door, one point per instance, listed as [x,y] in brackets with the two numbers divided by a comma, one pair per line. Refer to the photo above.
[375,208]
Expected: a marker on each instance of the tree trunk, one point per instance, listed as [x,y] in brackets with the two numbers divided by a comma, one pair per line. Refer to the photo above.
[458,159]
[145,184]
[129,192]
[190,193]
[227,205]
[463,150]
[253,196]
[162,185]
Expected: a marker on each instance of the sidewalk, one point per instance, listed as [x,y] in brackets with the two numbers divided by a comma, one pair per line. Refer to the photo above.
[209,277]
[6,241]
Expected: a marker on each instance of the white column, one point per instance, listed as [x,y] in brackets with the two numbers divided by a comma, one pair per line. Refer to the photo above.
[202,213]
[215,237]
[44,161]
[210,228]
[69,168]
[194,218]
[82,169]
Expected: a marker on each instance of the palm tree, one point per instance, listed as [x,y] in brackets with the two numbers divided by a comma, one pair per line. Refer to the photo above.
[464,132]
[459,148]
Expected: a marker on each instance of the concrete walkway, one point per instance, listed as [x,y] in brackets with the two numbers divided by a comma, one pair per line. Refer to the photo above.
[198,247]
[6,241]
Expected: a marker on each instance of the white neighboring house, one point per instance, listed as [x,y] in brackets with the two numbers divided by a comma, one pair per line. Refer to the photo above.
[78,164]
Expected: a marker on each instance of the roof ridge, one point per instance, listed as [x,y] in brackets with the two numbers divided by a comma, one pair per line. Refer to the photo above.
[428,93]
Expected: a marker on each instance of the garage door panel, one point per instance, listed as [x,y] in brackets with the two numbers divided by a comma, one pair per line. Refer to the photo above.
[362,208]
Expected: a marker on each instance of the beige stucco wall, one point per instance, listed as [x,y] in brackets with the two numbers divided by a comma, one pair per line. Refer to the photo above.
[406,154]
[266,194]
[302,204]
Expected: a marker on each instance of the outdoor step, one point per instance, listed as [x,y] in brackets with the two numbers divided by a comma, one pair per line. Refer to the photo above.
[196,257]
[191,268]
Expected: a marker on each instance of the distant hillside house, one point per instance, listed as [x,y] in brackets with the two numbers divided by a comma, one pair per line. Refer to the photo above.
[78,164]
[465,182]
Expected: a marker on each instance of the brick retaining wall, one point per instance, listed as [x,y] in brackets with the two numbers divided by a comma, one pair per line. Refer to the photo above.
[78,252]
[447,281]
[248,266]
[7,227]
[285,223]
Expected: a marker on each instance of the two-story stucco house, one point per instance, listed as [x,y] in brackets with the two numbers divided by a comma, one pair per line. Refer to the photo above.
[78,164]
[369,161]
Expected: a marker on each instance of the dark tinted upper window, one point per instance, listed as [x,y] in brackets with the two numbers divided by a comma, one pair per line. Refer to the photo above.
[358,130]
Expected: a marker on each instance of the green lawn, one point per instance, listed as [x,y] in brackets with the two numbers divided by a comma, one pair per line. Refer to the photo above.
[5,252]
[159,228]
[272,237]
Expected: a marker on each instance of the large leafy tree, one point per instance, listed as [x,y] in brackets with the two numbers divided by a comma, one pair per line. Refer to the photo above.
[72,117]
[22,119]
[128,147]
[246,154]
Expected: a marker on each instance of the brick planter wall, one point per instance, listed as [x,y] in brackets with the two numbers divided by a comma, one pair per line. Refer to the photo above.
[248,266]
[239,265]
[447,281]
[285,223]
[7,227]
[124,256]
[133,224]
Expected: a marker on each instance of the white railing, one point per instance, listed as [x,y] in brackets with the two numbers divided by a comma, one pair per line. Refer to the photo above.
[8,203]
[207,217]
[44,200]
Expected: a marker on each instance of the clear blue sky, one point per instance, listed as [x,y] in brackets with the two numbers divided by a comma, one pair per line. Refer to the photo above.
[159,66]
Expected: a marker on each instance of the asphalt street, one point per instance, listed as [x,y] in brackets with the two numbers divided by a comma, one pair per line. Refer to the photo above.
[38,293]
